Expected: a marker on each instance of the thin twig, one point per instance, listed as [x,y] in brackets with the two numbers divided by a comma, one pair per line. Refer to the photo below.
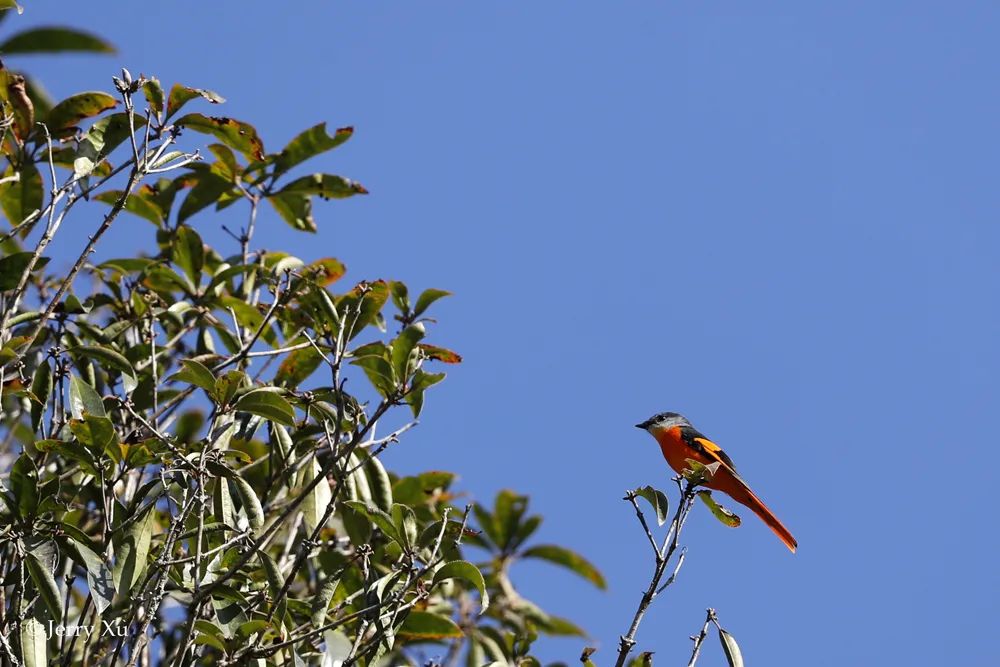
[700,637]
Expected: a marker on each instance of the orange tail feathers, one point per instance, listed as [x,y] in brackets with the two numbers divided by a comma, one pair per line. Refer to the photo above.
[742,494]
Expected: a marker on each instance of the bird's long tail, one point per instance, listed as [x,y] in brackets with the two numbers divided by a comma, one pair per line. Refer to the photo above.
[742,494]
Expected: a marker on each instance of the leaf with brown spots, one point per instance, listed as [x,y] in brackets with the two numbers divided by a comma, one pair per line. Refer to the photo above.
[241,137]
[154,95]
[73,109]
[297,366]
[309,144]
[24,110]
[181,95]
[440,354]
[724,515]
[325,271]
[327,186]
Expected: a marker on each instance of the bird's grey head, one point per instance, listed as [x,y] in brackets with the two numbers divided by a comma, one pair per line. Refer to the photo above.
[663,420]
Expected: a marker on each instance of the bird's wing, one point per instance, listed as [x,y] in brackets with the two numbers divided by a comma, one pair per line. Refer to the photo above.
[708,448]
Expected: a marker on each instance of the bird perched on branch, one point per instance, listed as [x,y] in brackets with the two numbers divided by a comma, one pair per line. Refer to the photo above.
[680,442]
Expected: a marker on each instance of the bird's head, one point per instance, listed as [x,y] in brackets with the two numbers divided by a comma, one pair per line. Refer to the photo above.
[663,421]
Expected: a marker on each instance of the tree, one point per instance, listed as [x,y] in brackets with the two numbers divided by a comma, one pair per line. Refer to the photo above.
[192,447]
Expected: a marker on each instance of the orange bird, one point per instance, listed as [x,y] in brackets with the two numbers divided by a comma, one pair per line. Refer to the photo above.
[679,441]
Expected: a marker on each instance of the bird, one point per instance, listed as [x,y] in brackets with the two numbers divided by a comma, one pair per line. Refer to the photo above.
[680,441]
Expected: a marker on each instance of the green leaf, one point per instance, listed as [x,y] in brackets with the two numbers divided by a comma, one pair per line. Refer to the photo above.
[356,524]
[379,483]
[426,298]
[226,166]
[405,522]
[240,136]
[189,252]
[46,586]
[732,650]
[309,144]
[697,472]
[137,204]
[725,516]
[24,485]
[508,508]
[644,659]
[153,90]
[487,524]
[12,267]
[421,381]
[402,348]
[425,626]
[379,372]
[13,347]
[33,643]
[561,627]
[196,373]
[101,139]
[54,40]
[97,433]
[226,386]
[461,569]
[568,559]
[525,530]
[181,95]
[418,489]
[296,210]
[210,634]
[400,296]
[657,499]
[251,503]
[131,552]
[365,302]
[298,366]
[126,264]
[84,399]
[321,601]
[208,190]
[24,197]
[110,358]
[100,581]
[315,504]
[380,518]
[327,186]
[73,109]
[41,387]
[268,405]
[271,573]
[250,628]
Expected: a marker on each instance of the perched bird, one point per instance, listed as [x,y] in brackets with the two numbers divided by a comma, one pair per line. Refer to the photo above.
[680,441]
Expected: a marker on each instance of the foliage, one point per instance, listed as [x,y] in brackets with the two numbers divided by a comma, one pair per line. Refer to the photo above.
[192,449]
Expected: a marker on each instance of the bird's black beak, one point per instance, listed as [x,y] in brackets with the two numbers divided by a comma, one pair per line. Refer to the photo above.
[643,425]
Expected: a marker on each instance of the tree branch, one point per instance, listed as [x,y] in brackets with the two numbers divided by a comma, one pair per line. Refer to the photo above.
[663,557]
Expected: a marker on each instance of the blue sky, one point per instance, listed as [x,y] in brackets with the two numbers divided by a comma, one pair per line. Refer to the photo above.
[779,218]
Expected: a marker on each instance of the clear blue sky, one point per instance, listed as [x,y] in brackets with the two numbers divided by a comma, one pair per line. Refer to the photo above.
[779,218]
